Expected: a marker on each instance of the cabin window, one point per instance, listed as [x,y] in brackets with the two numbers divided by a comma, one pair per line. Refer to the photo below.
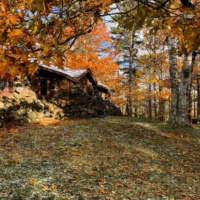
[4,86]
[43,87]
[84,82]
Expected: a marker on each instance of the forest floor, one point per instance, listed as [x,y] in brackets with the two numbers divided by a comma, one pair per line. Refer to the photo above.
[114,158]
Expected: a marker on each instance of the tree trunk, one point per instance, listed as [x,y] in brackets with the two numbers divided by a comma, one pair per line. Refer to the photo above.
[130,99]
[185,89]
[174,78]
[161,107]
[150,103]
[198,99]
[190,106]
[155,102]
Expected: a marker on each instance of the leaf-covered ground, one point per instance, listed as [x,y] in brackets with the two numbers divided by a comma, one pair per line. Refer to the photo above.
[113,158]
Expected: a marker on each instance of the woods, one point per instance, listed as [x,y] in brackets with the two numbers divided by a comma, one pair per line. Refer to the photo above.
[73,33]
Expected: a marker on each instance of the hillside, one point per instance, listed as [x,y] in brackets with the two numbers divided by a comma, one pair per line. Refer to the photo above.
[115,158]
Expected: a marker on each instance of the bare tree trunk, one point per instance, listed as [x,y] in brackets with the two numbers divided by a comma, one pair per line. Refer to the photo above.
[155,102]
[185,90]
[150,103]
[198,99]
[194,101]
[174,78]
[130,99]
[136,104]
[190,106]
[180,96]
[161,111]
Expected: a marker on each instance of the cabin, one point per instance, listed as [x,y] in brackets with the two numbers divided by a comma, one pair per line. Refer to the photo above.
[55,93]
[53,82]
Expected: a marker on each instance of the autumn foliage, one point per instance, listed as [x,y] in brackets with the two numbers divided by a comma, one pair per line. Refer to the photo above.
[44,29]
[95,51]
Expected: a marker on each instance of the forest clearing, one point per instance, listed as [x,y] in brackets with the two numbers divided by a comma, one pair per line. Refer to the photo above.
[81,61]
[113,158]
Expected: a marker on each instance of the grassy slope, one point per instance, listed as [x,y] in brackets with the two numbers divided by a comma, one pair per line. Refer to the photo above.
[112,158]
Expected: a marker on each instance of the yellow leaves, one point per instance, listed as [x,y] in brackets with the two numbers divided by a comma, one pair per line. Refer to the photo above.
[14,70]
[36,27]
[39,183]
[45,188]
[174,6]
[53,187]
[58,60]
[32,68]
[46,48]
[172,169]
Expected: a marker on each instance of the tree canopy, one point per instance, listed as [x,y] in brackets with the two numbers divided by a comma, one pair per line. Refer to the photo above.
[45,29]
[29,27]
[48,29]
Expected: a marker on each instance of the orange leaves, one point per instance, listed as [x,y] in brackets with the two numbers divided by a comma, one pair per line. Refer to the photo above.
[3,6]
[13,19]
[17,33]
[32,182]
[4,67]
[68,31]
[87,51]
[102,190]
[26,24]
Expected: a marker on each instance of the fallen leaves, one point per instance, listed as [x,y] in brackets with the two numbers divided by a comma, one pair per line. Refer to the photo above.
[32,182]
[114,163]
[102,190]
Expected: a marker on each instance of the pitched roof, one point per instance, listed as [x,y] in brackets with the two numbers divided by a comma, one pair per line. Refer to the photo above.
[102,87]
[72,74]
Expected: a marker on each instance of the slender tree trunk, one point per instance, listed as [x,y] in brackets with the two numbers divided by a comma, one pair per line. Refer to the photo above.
[150,103]
[198,99]
[194,102]
[155,102]
[190,105]
[136,97]
[161,111]
[174,78]
[130,99]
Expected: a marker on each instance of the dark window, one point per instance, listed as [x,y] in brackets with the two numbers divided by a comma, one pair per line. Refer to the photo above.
[4,85]
[44,87]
